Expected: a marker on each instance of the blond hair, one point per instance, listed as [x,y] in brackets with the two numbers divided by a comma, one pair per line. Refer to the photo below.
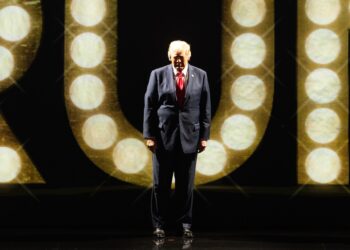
[179,46]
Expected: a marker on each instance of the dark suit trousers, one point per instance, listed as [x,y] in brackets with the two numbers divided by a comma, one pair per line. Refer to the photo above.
[164,164]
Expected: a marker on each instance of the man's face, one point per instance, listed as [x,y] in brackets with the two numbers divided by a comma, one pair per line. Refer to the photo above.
[179,60]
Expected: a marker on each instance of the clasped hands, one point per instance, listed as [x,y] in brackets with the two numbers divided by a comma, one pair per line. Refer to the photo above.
[151,144]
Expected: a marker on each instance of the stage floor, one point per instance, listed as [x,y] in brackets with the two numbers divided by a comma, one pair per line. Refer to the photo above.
[261,240]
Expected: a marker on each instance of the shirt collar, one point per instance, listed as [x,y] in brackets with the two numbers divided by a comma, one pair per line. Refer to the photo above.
[184,71]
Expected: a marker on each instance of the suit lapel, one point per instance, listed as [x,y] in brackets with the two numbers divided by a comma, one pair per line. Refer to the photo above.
[189,83]
[171,81]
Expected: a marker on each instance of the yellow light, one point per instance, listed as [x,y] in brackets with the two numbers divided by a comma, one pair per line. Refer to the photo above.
[248,92]
[100,132]
[238,132]
[14,23]
[10,164]
[323,125]
[212,160]
[322,46]
[88,13]
[87,92]
[323,165]
[248,50]
[7,63]
[88,50]
[322,85]
[130,156]
[322,12]
[248,13]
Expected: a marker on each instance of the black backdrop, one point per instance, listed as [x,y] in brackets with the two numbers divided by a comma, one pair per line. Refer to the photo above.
[262,192]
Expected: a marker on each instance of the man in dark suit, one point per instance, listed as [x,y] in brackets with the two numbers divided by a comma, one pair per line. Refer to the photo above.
[177,116]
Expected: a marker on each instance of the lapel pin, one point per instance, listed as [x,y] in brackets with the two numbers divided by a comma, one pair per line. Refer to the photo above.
[192,75]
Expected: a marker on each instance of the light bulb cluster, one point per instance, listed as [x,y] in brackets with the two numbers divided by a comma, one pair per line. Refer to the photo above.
[247,87]
[91,92]
[20,31]
[322,92]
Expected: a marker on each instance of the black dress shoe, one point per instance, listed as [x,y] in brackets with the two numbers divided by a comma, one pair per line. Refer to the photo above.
[158,242]
[158,232]
[187,233]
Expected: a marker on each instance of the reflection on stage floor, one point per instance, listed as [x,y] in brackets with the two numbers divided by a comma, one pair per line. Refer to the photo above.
[61,240]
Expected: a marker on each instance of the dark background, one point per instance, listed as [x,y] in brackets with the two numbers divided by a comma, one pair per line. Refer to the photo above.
[263,192]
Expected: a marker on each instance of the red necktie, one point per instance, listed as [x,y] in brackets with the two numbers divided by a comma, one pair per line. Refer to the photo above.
[180,90]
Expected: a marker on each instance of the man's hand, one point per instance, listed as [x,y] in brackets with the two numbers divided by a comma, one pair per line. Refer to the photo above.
[202,145]
[151,144]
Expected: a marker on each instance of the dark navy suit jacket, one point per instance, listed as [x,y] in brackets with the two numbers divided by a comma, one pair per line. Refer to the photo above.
[163,118]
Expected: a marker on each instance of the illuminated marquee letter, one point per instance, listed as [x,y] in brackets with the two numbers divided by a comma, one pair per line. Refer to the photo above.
[247,87]
[91,96]
[118,148]
[20,32]
[323,92]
